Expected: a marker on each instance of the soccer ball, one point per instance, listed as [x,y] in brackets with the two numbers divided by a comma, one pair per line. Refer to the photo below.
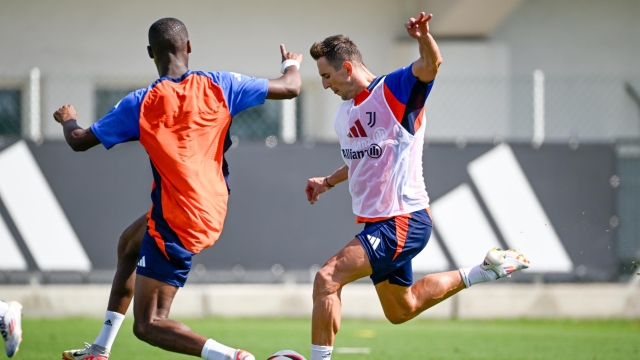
[286,355]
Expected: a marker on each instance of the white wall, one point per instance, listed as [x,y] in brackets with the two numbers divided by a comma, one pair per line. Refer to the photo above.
[588,49]
[546,301]
[69,39]
[74,41]
[574,37]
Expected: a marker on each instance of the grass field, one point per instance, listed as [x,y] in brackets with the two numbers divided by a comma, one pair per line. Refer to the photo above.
[418,339]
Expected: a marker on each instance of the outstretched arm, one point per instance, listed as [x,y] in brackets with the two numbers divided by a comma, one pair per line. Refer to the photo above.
[316,186]
[288,85]
[78,138]
[427,66]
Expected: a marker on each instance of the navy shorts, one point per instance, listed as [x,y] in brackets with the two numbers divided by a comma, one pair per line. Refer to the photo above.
[391,244]
[171,266]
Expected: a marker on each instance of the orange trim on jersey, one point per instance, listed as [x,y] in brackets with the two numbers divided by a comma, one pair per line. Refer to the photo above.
[402,228]
[362,96]
[394,104]
[362,220]
[151,226]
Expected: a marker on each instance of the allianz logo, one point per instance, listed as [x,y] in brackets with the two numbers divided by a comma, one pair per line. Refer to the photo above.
[374,151]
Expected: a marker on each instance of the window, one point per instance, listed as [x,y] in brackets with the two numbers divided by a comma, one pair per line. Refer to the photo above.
[106,99]
[258,122]
[10,113]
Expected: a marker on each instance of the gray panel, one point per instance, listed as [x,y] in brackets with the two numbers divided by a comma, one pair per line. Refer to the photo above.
[270,221]
[573,187]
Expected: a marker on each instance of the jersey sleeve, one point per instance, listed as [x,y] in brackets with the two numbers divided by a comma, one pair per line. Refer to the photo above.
[406,96]
[241,92]
[122,123]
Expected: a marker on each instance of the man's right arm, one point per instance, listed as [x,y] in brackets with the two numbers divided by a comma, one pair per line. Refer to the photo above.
[289,84]
[316,186]
[79,139]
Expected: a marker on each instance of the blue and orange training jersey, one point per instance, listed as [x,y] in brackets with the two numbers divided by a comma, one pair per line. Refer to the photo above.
[183,124]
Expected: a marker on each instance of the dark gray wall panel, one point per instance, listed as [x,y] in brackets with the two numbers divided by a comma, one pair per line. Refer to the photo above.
[270,221]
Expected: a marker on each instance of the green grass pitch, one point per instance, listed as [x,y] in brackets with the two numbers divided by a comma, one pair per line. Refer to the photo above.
[417,339]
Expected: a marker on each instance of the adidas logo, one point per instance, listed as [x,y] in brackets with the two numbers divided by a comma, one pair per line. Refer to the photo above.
[374,241]
[357,130]
[141,262]
[108,322]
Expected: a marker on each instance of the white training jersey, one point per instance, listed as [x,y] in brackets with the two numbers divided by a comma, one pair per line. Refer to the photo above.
[381,135]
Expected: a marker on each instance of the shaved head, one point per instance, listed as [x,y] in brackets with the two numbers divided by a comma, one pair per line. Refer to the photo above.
[168,35]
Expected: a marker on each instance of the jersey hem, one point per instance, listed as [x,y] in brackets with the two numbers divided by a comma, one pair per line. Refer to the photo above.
[406,212]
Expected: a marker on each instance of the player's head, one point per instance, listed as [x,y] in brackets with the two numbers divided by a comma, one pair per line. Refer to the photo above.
[168,36]
[337,58]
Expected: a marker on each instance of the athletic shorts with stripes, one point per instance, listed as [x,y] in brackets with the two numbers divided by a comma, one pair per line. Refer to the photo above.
[392,243]
[170,265]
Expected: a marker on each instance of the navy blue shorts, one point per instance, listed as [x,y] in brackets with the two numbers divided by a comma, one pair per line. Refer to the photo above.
[171,266]
[391,244]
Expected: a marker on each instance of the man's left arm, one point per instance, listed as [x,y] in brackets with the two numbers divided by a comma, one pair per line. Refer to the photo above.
[427,66]
[79,139]
[288,85]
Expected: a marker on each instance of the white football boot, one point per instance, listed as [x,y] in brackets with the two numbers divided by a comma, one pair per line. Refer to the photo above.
[244,355]
[11,328]
[504,263]
[82,354]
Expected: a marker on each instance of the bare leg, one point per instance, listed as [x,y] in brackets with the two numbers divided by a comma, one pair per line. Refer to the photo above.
[402,303]
[128,250]
[348,265]
[151,307]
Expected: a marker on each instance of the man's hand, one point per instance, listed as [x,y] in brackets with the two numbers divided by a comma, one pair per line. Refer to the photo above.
[427,66]
[315,187]
[289,55]
[65,113]
[289,84]
[418,28]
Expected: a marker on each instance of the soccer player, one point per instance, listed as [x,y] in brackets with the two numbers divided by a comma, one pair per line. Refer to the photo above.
[11,326]
[381,131]
[182,121]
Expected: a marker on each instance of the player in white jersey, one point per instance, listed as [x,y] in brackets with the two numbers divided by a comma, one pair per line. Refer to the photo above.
[11,326]
[381,130]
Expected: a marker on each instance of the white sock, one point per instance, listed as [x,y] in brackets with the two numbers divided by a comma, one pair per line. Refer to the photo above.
[3,308]
[213,350]
[321,352]
[476,275]
[107,336]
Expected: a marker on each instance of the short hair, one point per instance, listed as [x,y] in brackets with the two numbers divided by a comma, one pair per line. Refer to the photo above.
[168,35]
[337,49]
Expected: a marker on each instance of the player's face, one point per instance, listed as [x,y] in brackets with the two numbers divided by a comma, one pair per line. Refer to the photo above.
[336,80]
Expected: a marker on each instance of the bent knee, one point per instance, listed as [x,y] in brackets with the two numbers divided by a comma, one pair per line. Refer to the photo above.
[398,318]
[141,330]
[324,283]
[401,314]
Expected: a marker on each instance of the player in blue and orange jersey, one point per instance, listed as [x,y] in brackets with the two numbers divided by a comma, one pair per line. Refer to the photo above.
[182,120]
[381,130]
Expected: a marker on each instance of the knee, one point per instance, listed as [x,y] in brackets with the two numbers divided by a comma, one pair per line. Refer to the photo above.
[141,330]
[398,318]
[324,284]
